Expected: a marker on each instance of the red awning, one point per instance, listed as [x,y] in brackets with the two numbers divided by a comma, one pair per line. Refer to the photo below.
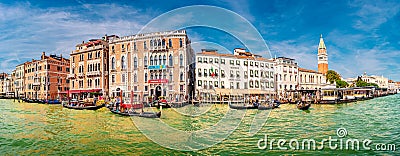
[84,91]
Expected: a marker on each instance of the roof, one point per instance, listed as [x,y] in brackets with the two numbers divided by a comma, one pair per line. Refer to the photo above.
[308,70]
[321,43]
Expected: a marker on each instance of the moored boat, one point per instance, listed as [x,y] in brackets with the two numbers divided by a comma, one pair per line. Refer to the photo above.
[139,114]
[84,107]
[303,106]
[243,106]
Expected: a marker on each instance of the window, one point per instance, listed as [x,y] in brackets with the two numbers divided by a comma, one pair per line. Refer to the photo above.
[199,72]
[123,47]
[123,78]
[181,60]
[231,73]
[123,65]
[135,78]
[231,85]
[262,64]
[246,63]
[237,74]
[199,82]
[199,60]
[112,63]
[245,85]
[222,61]
[170,60]
[256,64]
[145,61]
[237,85]
[164,60]
[256,73]
[181,76]
[211,60]
[251,73]
[216,60]
[237,62]
[231,62]
[245,74]
[205,73]
[151,43]
[135,62]
[134,46]
[163,43]
[170,76]
[251,63]
[251,84]
[222,84]
[205,60]
[222,73]
[170,43]
[144,45]
[145,77]
[216,84]
[216,72]
[113,78]
[160,59]
[180,43]
[155,60]
[257,84]
[151,60]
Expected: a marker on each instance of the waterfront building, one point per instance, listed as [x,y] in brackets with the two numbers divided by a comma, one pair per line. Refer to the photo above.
[19,80]
[286,76]
[89,68]
[381,81]
[310,79]
[392,86]
[322,57]
[46,78]
[3,87]
[241,74]
[10,85]
[151,65]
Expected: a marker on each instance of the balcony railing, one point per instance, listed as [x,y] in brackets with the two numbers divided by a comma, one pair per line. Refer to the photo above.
[81,75]
[36,83]
[70,76]
[93,73]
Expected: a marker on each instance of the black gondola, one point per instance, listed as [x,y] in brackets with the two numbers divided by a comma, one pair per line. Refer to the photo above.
[265,107]
[243,106]
[302,106]
[84,108]
[142,114]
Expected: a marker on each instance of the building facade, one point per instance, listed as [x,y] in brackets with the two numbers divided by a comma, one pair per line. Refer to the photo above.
[286,76]
[381,81]
[310,79]
[89,68]
[19,80]
[3,87]
[322,57]
[46,78]
[240,74]
[151,65]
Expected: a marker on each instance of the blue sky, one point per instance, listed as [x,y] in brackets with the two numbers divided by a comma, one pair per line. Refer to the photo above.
[361,36]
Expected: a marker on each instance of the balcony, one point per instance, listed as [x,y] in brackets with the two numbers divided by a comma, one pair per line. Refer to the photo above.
[71,76]
[36,83]
[81,75]
[93,73]
[158,48]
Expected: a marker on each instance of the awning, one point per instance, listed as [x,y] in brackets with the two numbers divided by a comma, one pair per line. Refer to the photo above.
[84,91]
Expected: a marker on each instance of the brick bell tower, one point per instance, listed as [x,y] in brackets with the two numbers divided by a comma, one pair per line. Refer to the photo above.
[322,57]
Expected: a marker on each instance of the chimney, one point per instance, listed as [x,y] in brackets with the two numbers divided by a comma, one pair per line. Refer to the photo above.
[43,54]
[83,42]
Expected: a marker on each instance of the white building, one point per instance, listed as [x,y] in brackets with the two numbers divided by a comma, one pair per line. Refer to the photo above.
[310,79]
[19,80]
[286,79]
[239,74]
[381,81]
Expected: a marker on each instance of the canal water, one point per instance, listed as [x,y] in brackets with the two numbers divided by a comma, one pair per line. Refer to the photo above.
[38,129]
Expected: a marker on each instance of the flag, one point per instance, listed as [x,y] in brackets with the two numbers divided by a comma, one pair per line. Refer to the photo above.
[212,72]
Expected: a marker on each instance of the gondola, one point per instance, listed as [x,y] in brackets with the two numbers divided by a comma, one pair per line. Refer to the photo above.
[302,106]
[243,106]
[139,114]
[276,104]
[84,108]
[265,107]
[53,102]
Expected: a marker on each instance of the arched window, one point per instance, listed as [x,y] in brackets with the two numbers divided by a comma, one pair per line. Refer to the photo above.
[145,77]
[145,61]
[135,62]
[160,59]
[170,76]
[181,76]
[159,42]
[164,60]
[123,78]
[98,66]
[135,78]
[151,43]
[170,60]
[112,63]
[181,60]
[151,60]
[170,43]
[155,60]
[180,42]
[144,45]
[163,43]
[123,62]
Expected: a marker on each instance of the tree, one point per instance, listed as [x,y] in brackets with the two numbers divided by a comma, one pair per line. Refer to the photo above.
[332,76]
[341,84]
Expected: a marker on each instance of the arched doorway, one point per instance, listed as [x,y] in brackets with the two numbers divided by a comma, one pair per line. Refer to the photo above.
[158,92]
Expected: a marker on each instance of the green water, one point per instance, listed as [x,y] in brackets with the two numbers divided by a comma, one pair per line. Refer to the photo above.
[39,129]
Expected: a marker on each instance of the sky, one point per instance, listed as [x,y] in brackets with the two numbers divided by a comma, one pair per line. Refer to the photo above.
[360,35]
